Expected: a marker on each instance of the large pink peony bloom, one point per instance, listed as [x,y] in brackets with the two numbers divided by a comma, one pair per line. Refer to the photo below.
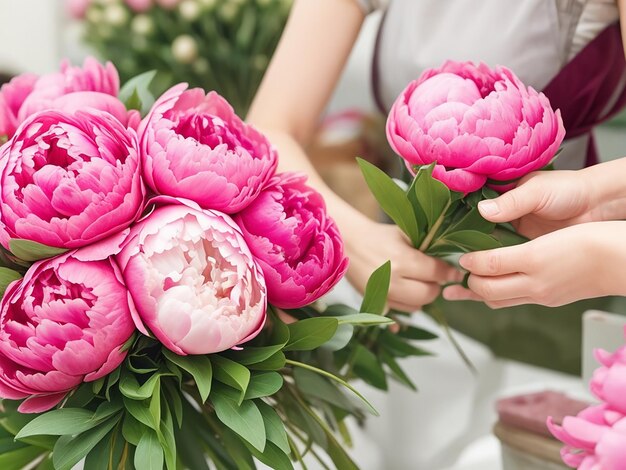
[596,438]
[193,280]
[63,324]
[295,241]
[194,146]
[475,123]
[67,180]
[28,94]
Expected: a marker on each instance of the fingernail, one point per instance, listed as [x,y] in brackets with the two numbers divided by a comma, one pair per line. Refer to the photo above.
[465,261]
[488,208]
[453,294]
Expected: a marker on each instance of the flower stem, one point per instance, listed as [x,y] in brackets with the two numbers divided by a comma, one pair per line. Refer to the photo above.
[433,230]
[336,379]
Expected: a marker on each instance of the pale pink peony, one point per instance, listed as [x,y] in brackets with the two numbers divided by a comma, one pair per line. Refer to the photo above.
[596,438]
[77,8]
[67,180]
[294,240]
[476,123]
[193,280]
[25,95]
[194,146]
[139,6]
[65,323]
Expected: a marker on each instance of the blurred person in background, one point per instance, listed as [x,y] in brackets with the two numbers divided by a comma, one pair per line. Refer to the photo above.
[572,50]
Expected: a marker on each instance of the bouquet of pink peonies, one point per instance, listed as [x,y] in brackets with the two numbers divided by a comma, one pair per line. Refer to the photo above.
[466,133]
[144,266]
[595,439]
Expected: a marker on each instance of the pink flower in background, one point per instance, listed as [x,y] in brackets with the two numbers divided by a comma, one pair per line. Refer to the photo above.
[69,180]
[194,146]
[139,6]
[64,323]
[12,95]
[77,8]
[193,280]
[476,123]
[596,438]
[26,95]
[296,243]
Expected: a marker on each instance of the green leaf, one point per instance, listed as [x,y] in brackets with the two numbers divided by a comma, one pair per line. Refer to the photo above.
[398,346]
[264,384]
[69,450]
[319,387]
[7,276]
[149,453]
[368,368]
[341,338]
[135,93]
[253,355]
[175,401]
[376,291]
[107,454]
[397,371]
[231,373]
[29,250]
[311,333]
[412,332]
[167,439]
[132,430]
[244,419]
[18,459]
[274,427]
[364,319]
[471,240]
[130,387]
[472,221]
[154,407]
[64,421]
[432,195]
[273,457]
[141,412]
[275,362]
[199,367]
[392,199]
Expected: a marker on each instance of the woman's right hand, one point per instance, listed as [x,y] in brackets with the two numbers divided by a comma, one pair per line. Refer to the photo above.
[546,201]
[416,278]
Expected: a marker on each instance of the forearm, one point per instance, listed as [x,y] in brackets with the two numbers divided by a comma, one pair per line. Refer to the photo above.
[621,5]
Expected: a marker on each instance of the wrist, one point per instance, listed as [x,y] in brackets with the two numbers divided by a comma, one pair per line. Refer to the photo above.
[604,184]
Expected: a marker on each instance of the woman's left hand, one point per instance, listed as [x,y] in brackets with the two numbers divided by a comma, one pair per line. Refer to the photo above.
[574,263]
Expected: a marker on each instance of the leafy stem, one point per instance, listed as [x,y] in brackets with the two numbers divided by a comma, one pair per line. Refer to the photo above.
[433,230]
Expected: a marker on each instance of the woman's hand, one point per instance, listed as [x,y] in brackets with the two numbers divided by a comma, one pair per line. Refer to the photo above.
[416,278]
[546,201]
[578,262]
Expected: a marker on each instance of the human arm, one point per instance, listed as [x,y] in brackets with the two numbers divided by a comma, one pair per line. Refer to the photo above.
[295,90]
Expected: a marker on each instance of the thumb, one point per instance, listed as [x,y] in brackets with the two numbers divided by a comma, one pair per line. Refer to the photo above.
[511,205]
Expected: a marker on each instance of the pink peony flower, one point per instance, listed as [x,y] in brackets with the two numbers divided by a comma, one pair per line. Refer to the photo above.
[194,146]
[26,95]
[476,123]
[69,180]
[139,6]
[193,280]
[12,95]
[77,8]
[65,323]
[596,438]
[296,243]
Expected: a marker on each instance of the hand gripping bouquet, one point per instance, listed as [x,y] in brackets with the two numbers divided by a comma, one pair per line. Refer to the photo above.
[160,284]
[466,132]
